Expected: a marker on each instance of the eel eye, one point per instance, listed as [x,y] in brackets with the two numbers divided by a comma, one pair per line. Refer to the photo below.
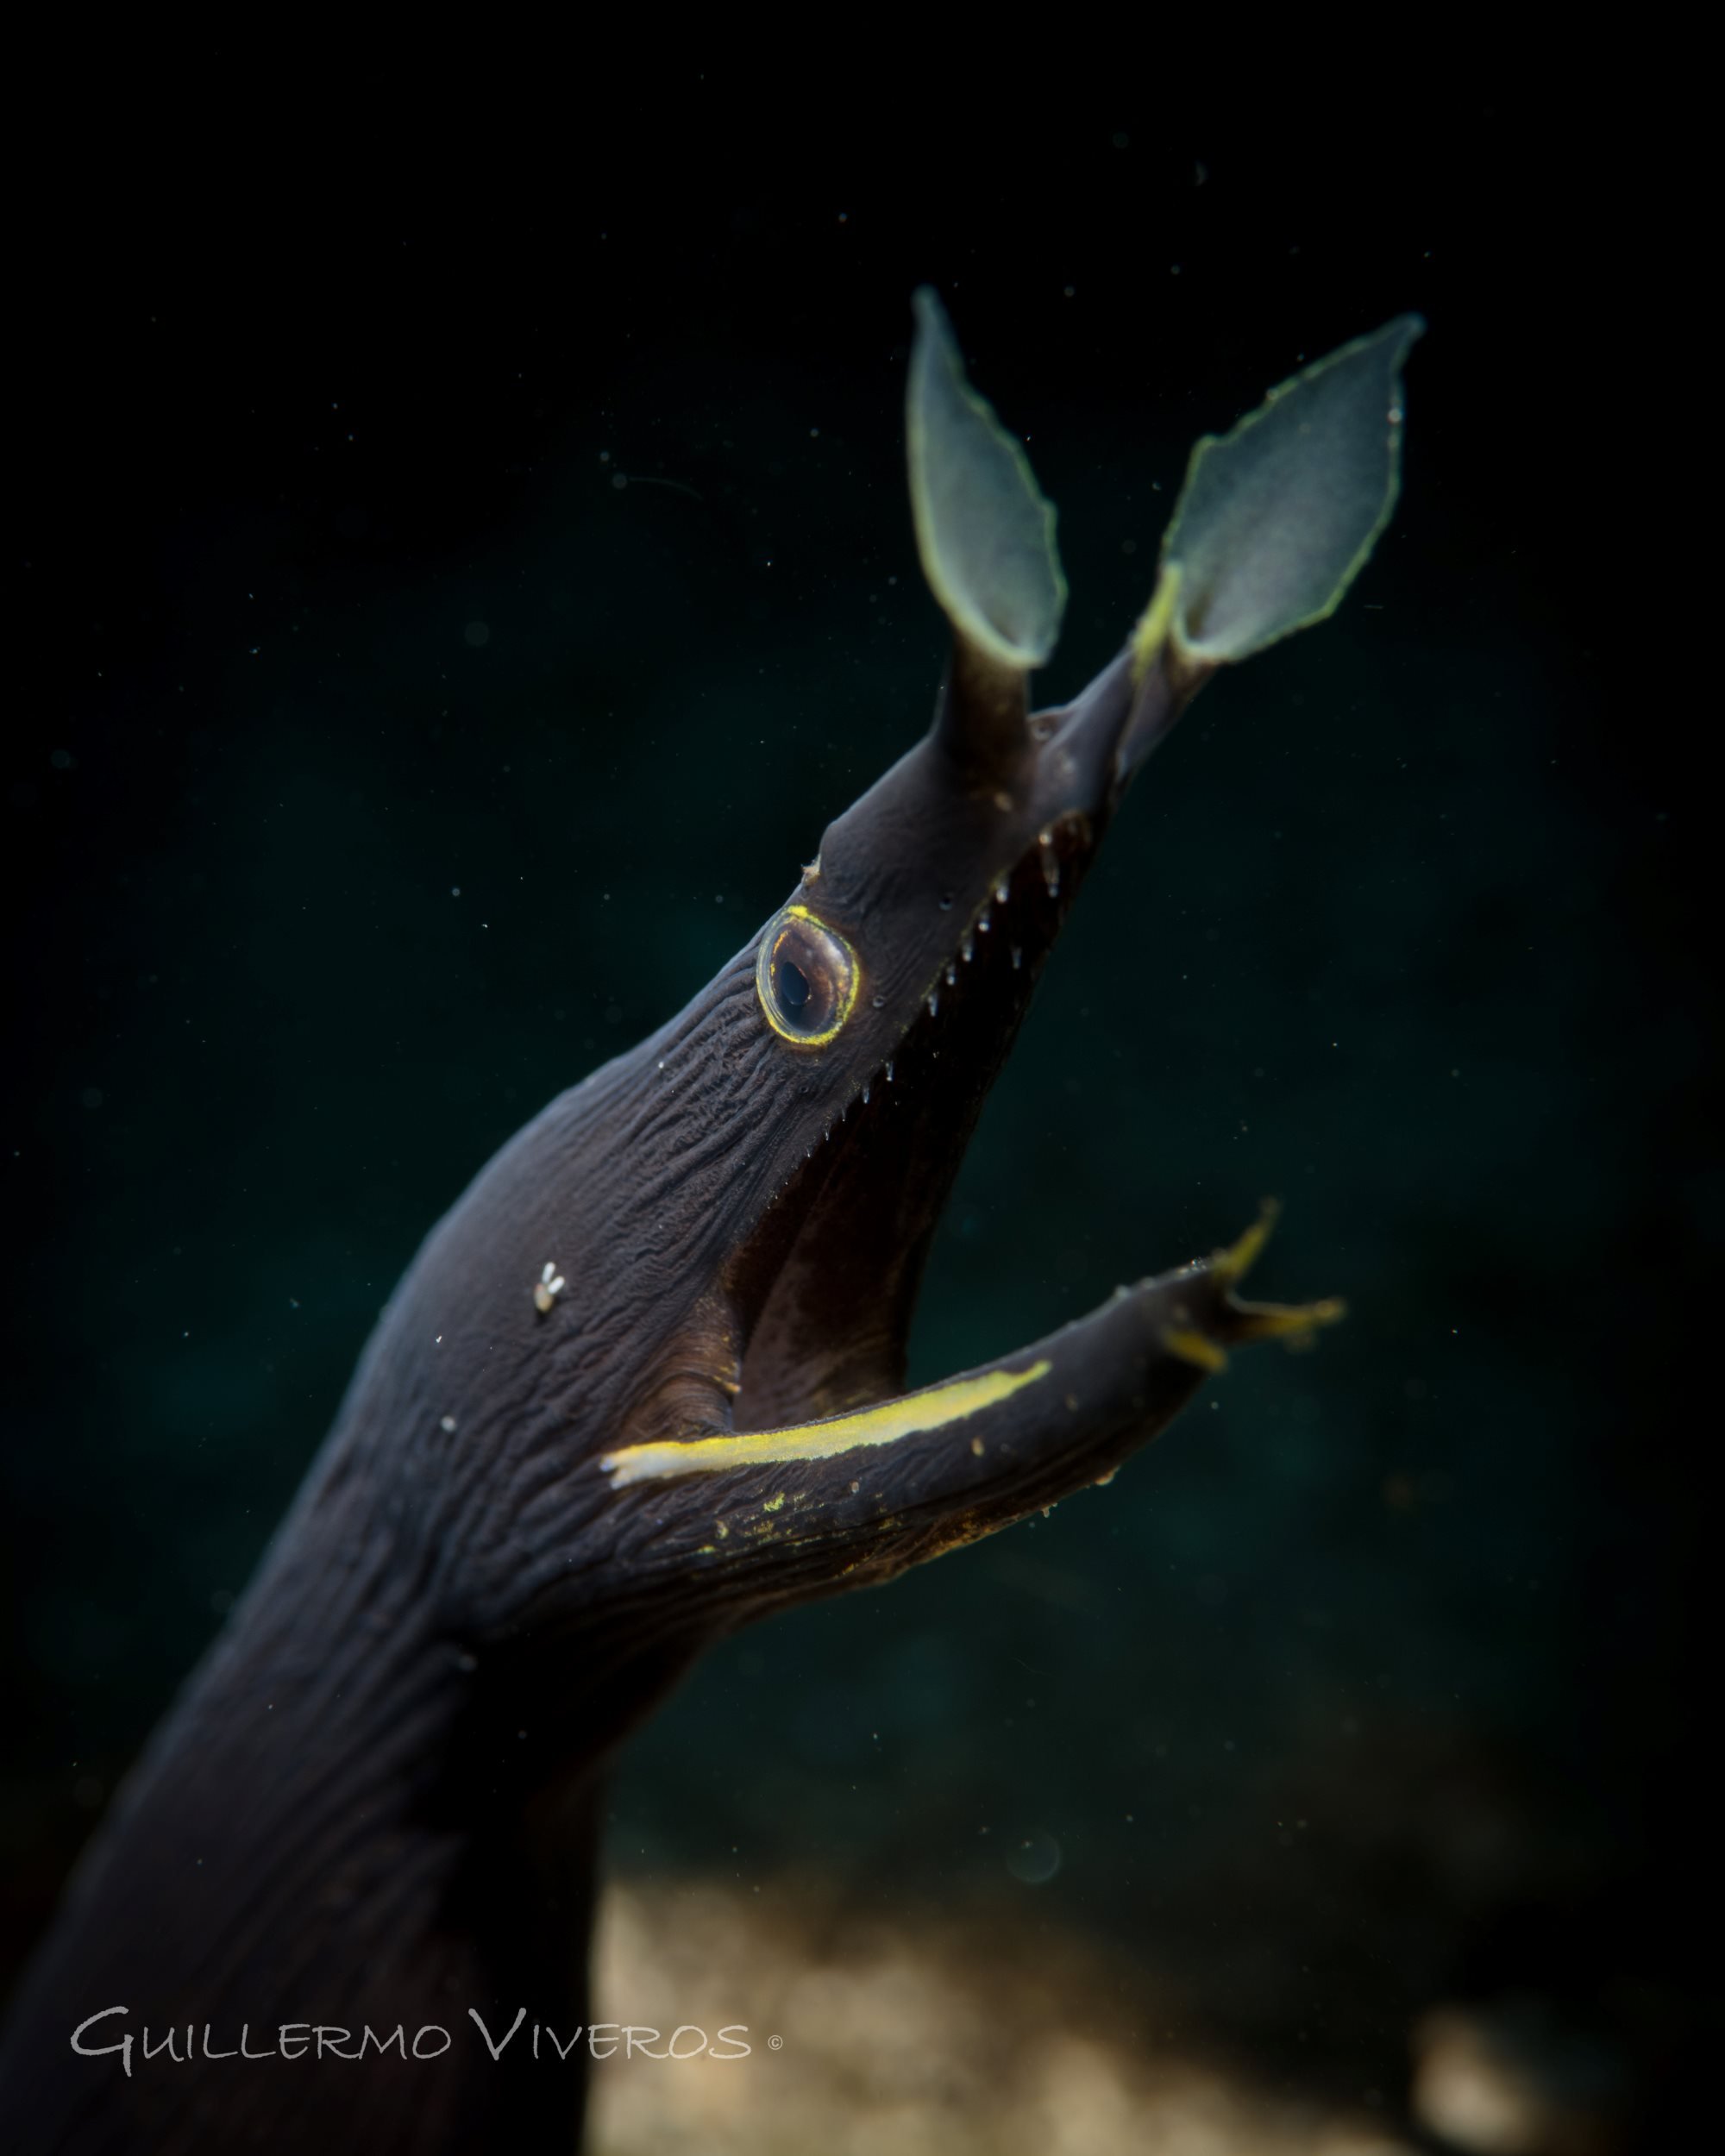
[806,977]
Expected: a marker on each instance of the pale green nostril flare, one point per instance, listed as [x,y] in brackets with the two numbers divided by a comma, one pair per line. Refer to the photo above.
[1278,516]
[984,529]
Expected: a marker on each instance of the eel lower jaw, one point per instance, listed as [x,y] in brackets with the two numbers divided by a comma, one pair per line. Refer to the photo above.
[915,1474]
[1124,1370]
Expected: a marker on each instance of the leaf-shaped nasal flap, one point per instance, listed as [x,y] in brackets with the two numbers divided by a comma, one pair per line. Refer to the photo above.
[1278,517]
[984,531]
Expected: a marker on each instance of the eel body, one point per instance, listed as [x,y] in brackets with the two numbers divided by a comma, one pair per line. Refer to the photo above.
[645,1383]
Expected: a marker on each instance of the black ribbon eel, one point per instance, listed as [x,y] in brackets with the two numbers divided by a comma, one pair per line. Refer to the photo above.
[645,1383]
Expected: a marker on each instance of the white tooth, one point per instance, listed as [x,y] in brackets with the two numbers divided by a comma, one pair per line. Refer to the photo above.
[1001,892]
[951,974]
[969,949]
[984,925]
[1018,958]
[933,1001]
[865,1096]
[889,1074]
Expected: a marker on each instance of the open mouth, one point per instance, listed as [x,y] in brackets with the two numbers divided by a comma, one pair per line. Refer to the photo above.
[834,1270]
[1272,524]
[843,1247]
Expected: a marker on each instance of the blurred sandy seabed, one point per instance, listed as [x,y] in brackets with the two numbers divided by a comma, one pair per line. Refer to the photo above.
[905,2037]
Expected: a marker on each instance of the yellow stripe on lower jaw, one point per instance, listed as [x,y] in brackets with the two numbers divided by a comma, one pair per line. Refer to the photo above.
[885,1425]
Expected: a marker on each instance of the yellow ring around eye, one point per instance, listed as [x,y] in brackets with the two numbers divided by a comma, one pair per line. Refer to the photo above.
[842,960]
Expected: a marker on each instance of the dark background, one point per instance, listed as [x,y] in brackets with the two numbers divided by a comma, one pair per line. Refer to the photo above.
[455,588]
